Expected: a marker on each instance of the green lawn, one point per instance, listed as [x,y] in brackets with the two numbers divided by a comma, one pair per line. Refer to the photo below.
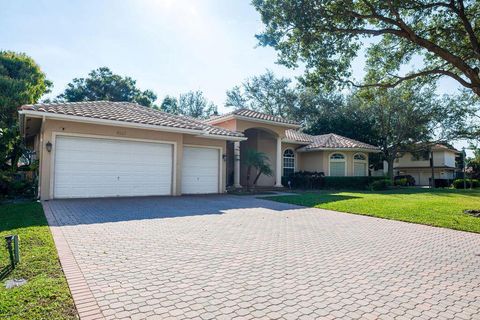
[46,295]
[440,208]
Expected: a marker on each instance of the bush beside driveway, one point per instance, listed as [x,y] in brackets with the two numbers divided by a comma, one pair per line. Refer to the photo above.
[439,208]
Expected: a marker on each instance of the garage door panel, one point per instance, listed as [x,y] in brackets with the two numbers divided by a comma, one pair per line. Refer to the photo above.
[200,170]
[90,167]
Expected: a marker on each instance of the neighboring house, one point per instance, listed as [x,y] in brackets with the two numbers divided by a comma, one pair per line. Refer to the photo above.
[418,164]
[109,149]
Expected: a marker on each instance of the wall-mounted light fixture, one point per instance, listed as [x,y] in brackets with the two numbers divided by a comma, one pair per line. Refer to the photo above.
[224,157]
[48,145]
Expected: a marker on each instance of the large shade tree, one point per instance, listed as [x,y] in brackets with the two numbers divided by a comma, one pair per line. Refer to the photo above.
[21,82]
[473,163]
[324,36]
[265,93]
[169,105]
[103,84]
[194,104]
[323,113]
[404,116]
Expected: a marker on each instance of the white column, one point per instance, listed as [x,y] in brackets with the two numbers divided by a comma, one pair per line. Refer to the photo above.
[278,164]
[236,164]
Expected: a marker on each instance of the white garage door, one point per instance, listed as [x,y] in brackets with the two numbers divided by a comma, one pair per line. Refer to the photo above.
[200,170]
[90,167]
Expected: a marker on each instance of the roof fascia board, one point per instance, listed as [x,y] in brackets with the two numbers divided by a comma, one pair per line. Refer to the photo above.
[423,168]
[39,114]
[234,116]
[220,137]
[295,141]
[341,149]
[219,119]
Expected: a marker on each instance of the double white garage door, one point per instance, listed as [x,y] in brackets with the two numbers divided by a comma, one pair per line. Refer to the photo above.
[91,167]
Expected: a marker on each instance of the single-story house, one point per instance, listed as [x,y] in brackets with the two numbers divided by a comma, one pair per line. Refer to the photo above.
[110,149]
[418,165]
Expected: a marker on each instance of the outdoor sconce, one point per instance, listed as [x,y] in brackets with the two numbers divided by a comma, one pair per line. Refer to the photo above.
[49,146]
[224,157]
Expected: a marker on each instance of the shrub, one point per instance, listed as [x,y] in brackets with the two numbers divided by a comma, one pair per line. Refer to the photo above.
[470,183]
[16,185]
[380,184]
[317,180]
[401,182]
[6,180]
[442,183]
[305,180]
[349,182]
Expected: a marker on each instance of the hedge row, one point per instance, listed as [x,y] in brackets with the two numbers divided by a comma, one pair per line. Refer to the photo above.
[470,183]
[317,180]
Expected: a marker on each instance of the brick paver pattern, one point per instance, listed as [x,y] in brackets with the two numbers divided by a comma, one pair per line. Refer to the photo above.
[226,257]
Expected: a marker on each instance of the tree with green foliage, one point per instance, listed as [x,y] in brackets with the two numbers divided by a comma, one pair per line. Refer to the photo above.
[473,163]
[469,129]
[169,105]
[21,82]
[259,161]
[404,116]
[265,93]
[323,113]
[195,105]
[324,36]
[103,84]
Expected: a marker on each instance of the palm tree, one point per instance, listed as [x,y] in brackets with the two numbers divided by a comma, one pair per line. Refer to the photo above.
[259,161]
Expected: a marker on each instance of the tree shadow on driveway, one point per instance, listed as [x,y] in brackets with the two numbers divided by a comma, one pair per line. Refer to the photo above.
[104,210]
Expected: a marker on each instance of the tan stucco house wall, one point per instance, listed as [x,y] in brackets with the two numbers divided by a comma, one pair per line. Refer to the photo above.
[231,135]
[263,137]
[52,128]
[319,161]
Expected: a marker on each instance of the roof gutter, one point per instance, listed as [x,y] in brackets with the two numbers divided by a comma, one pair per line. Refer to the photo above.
[295,141]
[39,114]
[220,137]
[341,149]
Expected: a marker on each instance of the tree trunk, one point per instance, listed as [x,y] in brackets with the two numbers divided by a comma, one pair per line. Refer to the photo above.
[256,178]
[432,167]
[15,156]
[390,168]
[249,169]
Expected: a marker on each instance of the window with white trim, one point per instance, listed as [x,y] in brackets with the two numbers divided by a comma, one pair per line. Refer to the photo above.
[337,165]
[360,165]
[288,162]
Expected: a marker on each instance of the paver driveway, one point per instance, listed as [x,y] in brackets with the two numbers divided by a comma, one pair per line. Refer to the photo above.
[214,257]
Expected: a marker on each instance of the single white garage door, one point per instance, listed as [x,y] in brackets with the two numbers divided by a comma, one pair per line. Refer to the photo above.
[200,170]
[91,167]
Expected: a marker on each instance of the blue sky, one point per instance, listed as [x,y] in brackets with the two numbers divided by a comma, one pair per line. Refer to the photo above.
[168,46]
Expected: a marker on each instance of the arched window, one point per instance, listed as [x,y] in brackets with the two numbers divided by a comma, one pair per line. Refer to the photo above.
[360,165]
[337,165]
[288,162]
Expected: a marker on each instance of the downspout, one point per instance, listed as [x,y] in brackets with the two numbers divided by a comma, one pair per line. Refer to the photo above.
[40,159]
